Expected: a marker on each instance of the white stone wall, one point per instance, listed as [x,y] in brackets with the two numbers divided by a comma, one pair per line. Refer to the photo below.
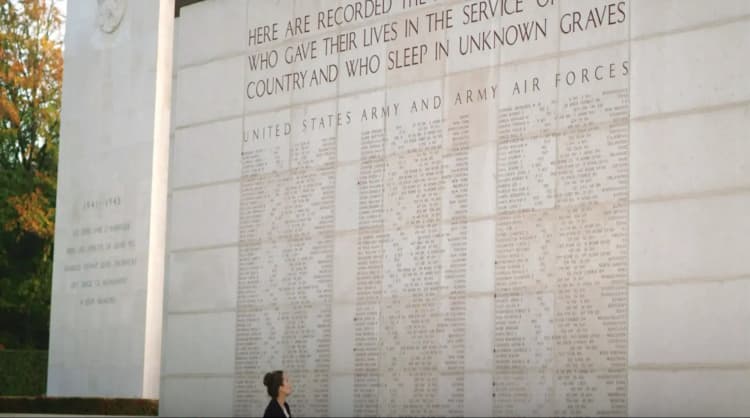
[197,374]
[688,194]
[689,337]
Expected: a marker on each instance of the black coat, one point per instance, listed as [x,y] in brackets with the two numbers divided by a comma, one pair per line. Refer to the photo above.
[273,410]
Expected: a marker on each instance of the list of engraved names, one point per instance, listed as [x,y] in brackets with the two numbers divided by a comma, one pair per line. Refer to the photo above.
[395,225]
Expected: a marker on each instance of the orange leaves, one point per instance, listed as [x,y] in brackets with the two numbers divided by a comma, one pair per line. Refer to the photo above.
[8,110]
[34,215]
[34,8]
[30,79]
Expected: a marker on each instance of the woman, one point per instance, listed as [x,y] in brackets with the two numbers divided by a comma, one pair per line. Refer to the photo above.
[279,388]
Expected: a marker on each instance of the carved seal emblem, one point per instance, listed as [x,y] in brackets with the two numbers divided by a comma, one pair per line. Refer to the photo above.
[110,14]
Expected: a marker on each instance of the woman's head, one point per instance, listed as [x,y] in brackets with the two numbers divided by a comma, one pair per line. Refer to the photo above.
[277,383]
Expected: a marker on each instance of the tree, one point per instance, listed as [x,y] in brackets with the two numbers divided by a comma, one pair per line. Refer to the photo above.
[31,68]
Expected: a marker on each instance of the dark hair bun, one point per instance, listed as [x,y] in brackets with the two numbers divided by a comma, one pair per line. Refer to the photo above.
[273,381]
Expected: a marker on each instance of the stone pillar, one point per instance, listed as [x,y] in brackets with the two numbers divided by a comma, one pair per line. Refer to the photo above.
[107,287]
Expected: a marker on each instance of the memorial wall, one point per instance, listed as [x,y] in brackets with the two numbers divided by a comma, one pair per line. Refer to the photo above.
[495,207]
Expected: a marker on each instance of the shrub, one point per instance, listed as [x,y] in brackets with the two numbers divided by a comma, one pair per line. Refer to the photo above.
[78,406]
[23,372]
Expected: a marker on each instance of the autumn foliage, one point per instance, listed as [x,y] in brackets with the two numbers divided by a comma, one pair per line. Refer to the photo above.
[31,67]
